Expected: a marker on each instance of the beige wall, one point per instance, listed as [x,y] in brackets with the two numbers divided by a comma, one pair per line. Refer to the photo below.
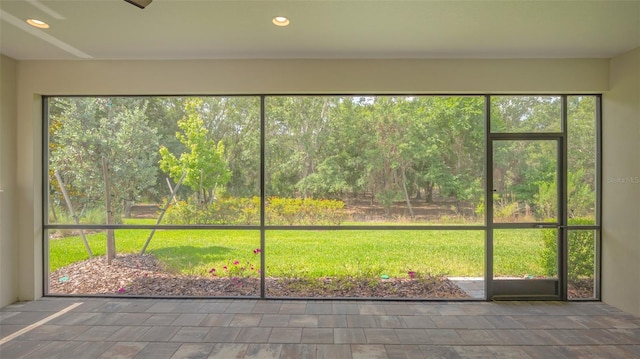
[37,78]
[8,244]
[621,185]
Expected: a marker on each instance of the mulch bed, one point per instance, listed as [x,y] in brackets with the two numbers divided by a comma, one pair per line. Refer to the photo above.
[135,275]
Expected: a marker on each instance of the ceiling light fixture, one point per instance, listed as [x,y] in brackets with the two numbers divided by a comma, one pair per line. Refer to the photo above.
[38,23]
[280,21]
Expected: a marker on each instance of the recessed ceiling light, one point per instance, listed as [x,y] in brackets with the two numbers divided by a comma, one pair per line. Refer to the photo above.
[38,23]
[280,21]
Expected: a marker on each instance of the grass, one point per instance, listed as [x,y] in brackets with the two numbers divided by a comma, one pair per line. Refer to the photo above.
[314,254]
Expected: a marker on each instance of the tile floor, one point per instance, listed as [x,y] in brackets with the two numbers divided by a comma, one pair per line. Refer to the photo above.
[238,328]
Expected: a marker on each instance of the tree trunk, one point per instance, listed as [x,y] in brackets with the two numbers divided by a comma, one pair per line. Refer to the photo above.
[111,239]
[71,211]
[406,193]
[429,192]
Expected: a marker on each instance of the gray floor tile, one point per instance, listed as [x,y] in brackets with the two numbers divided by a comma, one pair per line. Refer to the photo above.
[504,322]
[546,352]
[448,322]
[367,351]
[53,350]
[163,307]
[98,333]
[293,308]
[263,351]
[381,336]
[319,308]
[417,322]
[159,334]
[397,309]
[333,351]
[275,320]
[87,350]
[253,335]
[190,334]
[303,320]
[158,350]
[298,351]
[56,332]
[477,337]
[372,309]
[127,333]
[8,329]
[361,321]
[219,328]
[389,321]
[332,321]
[217,320]
[443,337]
[123,350]
[222,335]
[246,320]
[471,351]
[161,319]
[508,352]
[475,322]
[345,308]
[349,336]
[439,351]
[317,336]
[26,318]
[228,350]
[266,308]
[193,351]
[211,308]
[404,352]
[189,319]
[285,335]
[411,336]
[423,309]
[240,307]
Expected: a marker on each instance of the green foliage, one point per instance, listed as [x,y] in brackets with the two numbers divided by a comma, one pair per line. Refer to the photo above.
[387,197]
[581,258]
[204,164]
[84,131]
[230,210]
[245,211]
[301,211]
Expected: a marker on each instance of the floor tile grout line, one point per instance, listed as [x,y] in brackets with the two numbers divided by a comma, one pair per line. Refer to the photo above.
[39,323]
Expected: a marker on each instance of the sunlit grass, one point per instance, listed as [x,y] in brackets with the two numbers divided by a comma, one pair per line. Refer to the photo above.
[316,254]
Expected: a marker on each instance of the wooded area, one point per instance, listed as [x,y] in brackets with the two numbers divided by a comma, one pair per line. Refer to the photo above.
[384,152]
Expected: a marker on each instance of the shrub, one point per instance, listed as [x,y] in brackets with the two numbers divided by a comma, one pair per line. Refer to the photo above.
[279,211]
[581,260]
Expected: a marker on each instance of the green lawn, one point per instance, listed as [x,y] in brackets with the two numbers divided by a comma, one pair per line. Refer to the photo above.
[319,253]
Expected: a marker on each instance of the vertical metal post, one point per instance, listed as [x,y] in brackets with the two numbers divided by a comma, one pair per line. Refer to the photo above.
[563,213]
[45,193]
[262,197]
[488,200]
[598,237]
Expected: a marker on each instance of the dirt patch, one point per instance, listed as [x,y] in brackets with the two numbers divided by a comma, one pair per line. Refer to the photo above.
[145,276]
[580,289]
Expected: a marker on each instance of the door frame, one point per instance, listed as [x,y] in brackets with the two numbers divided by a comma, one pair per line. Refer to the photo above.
[528,289]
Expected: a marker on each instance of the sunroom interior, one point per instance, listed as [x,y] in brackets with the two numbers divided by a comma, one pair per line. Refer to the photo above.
[354,50]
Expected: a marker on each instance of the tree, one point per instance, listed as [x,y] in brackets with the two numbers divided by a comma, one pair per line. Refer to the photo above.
[204,162]
[104,149]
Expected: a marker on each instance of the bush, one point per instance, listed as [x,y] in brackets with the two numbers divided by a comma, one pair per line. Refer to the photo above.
[245,211]
[581,258]
[304,211]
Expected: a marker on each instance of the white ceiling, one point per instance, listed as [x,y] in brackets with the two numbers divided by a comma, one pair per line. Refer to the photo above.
[234,29]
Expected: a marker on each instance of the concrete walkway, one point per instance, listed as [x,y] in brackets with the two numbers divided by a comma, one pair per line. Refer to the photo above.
[239,328]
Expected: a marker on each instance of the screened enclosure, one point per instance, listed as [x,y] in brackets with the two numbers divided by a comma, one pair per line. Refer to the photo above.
[385,197]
